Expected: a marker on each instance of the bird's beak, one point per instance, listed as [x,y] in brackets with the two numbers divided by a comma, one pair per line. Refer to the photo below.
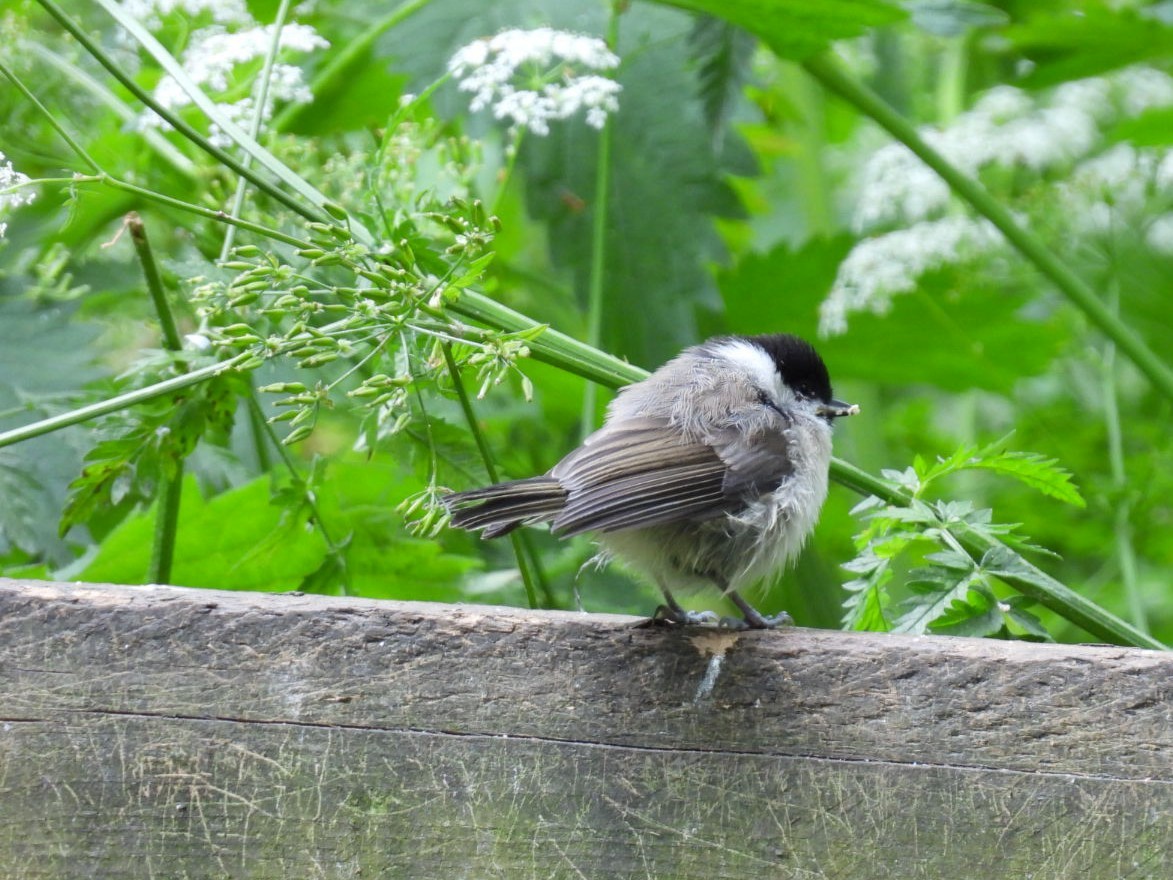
[837,408]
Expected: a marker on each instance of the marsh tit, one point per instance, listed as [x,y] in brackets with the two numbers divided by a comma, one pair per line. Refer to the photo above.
[711,471]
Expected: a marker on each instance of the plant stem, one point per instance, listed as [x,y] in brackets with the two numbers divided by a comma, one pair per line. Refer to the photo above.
[146,257]
[258,115]
[526,558]
[121,401]
[824,69]
[600,208]
[1122,524]
[166,527]
[551,347]
[311,211]
[1033,582]
[171,486]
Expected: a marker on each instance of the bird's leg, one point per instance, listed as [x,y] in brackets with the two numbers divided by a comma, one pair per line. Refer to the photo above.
[672,613]
[753,618]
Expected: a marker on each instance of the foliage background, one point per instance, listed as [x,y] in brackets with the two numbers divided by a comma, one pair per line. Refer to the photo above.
[733,183]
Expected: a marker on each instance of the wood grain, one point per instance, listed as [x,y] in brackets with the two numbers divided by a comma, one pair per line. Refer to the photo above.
[167,732]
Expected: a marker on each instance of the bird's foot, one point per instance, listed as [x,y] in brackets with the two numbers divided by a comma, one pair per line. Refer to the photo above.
[672,614]
[754,619]
[666,615]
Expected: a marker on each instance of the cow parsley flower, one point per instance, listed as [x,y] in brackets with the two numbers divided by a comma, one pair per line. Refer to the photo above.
[879,268]
[151,12]
[532,77]
[212,59]
[12,190]
[1059,132]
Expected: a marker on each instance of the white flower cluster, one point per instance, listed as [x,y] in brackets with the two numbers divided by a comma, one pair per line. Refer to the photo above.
[213,57]
[151,12]
[1010,128]
[877,269]
[531,77]
[12,194]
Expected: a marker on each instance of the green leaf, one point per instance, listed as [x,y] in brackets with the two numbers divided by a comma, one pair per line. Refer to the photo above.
[980,334]
[1064,46]
[1036,471]
[262,548]
[954,18]
[723,54]
[921,610]
[798,28]
[1029,468]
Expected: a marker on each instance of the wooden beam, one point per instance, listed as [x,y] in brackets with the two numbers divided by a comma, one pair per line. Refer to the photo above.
[169,732]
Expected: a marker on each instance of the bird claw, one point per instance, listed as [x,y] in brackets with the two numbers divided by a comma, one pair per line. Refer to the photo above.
[666,615]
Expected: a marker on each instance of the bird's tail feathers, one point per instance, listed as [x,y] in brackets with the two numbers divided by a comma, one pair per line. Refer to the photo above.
[498,510]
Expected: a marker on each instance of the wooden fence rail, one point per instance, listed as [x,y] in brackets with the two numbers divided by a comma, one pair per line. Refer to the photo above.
[175,733]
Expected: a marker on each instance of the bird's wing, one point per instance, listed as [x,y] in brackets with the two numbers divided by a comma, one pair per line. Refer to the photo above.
[644,473]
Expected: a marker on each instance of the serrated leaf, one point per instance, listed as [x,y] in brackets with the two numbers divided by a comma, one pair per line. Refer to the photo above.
[950,559]
[954,18]
[798,28]
[1018,614]
[722,54]
[864,605]
[1036,471]
[919,612]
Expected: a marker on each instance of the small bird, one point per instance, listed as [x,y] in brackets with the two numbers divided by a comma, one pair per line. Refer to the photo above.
[711,471]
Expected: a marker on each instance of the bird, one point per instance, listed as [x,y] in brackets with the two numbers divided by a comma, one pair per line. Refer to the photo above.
[712,472]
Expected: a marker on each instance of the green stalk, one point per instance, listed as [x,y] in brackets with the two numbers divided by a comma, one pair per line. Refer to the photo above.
[146,257]
[316,199]
[73,144]
[332,547]
[333,76]
[1122,526]
[254,129]
[599,241]
[171,488]
[824,69]
[551,347]
[166,527]
[527,563]
[121,401]
[154,139]
[1032,581]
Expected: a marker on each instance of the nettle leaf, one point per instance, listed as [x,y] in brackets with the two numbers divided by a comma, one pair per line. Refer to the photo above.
[265,549]
[798,28]
[723,54]
[954,18]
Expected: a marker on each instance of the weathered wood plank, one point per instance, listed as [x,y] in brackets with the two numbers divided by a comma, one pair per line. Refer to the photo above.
[182,733]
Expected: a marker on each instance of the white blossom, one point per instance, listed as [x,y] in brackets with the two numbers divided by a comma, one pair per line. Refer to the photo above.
[532,77]
[13,193]
[151,12]
[1159,235]
[1038,133]
[212,58]
[879,268]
